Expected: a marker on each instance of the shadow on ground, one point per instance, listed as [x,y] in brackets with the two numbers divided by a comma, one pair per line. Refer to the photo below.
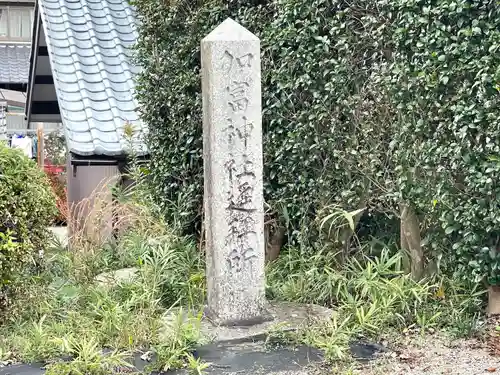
[255,358]
[242,359]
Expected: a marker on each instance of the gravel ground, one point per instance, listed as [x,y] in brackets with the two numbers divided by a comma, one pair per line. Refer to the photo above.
[433,355]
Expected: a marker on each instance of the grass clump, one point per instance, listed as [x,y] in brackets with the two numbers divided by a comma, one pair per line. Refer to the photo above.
[88,359]
[371,297]
[178,339]
[69,313]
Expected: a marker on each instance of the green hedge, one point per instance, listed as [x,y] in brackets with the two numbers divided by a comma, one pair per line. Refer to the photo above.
[317,119]
[445,83]
[27,208]
[366,103]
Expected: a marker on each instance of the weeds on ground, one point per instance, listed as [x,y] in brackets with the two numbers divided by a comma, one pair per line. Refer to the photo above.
[88,358]
[127,316]
[178,338]
[371,297]
[68,314]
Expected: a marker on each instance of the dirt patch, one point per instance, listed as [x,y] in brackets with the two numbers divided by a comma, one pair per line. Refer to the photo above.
[435,355]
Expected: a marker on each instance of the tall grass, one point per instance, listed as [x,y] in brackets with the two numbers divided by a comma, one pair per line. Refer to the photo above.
[371,295]
[68,313]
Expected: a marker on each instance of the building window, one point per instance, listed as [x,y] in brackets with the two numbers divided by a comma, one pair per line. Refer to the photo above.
[15,23]
[4,26]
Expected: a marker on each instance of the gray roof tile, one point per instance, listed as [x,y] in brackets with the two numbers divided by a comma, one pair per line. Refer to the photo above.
[14,98]
[89,44]
[14,63]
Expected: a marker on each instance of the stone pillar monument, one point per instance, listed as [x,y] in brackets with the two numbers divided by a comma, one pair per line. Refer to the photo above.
[232,152]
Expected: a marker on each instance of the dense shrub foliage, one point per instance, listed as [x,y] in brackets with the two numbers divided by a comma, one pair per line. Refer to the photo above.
[27,207]
[366,104]
[445,83]
[318,117]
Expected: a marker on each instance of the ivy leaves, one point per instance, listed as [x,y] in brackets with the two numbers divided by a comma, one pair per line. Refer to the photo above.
[443,79]
[365,103]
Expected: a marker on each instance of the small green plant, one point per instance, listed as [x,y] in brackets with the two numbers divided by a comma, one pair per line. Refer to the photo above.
[35,341]
[88,359]
[427,320]
[280,334]
[332,337]
[371,296]
[4,356]
[180,335]
[341,224]
[196,366]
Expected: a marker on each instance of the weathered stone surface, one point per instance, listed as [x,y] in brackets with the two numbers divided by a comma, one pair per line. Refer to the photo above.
[232,151]
[285,316]
[113,278]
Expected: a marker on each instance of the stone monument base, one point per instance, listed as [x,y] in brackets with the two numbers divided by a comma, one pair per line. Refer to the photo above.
[209,316]
[283,316]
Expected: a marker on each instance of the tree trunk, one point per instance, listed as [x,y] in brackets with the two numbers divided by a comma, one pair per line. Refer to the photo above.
[410,240]
[274,238]
[493,300]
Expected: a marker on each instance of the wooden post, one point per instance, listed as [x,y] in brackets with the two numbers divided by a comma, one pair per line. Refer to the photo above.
[40,149]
